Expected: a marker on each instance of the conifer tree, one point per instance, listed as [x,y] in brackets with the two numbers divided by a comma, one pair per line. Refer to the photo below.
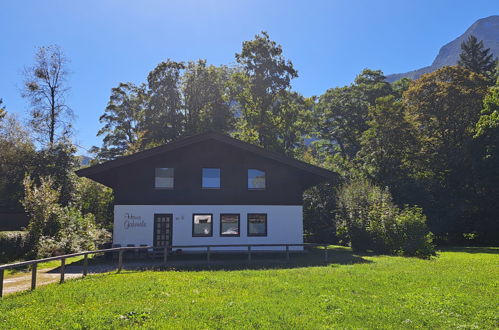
[476,57]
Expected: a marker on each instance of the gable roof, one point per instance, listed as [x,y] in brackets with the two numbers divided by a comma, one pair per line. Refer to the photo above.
[124,160]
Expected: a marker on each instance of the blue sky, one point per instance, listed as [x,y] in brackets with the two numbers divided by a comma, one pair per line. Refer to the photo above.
[329,42]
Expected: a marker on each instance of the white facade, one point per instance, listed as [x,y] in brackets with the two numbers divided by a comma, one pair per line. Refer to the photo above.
[133,224]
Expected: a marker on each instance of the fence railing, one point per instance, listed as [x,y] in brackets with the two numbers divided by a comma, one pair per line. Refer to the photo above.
[165,249]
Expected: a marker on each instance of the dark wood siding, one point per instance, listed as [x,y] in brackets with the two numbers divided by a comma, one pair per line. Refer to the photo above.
[133,184]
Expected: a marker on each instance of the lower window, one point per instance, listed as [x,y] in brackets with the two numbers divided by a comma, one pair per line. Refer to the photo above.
[229,224]
[257,224]
[202,225]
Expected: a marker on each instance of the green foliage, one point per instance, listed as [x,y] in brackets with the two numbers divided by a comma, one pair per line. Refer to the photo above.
[16,155]
[443,107]
[122,119]
[58,162]
[205,97]
[319,204]
[76,233]
[163,116]
[411,233]
[96,199]
[367,219]
[178,100]
[13,245]
[388,145]
[342,113]
[456,290]
[270,115]
[54,229]
[475,57]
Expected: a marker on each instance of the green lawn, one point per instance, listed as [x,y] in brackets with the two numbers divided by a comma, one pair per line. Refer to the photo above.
[459,289]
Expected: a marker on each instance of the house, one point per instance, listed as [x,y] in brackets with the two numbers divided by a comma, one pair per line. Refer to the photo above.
[207,189]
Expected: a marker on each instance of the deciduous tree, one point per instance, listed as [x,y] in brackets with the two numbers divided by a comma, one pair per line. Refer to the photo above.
[123,121]
[45,87]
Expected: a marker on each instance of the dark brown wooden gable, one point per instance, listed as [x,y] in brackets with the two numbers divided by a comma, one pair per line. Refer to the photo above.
[133,181]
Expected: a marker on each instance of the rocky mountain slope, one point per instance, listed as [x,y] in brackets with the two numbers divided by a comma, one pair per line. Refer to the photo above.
[486,29]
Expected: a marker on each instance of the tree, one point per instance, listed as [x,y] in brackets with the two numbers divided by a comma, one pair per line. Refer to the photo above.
[442,108]
[265,75]
[475,57]
[45,87]
[163,118]
[206,102]
[387,145]
[482,222]
[96,199]
[58,162]
[123,120]
[16,158]
[54,229]
[2,110]
[342,113]
[367,219]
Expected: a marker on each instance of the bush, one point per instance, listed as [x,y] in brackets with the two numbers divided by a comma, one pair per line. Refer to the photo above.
[413,234]
[367,219]
[54,229]
[13,245]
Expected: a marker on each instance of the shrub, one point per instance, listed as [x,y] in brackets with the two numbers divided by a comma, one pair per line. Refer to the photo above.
[367,219]
[54,229]
[412,233]
[13,245]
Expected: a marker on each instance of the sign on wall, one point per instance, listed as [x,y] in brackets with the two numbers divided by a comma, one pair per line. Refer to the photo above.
[133,221]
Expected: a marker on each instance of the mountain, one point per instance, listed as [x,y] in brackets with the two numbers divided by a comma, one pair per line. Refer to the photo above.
[485,29]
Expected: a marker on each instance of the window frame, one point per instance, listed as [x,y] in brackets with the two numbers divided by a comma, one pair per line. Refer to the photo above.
[248,225]
[247,179]
[219,178]
[211,225]
[164,188]
[238,225]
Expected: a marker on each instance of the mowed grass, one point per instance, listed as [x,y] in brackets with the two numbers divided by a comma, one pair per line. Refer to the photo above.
[459,289]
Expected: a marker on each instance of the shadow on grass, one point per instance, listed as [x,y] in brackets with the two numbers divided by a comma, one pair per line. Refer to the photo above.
[222,261]
[470,249]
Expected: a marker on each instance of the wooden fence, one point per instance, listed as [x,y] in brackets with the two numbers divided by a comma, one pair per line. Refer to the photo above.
[165,249]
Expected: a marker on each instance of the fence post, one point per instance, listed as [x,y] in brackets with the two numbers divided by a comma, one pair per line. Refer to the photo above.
[208,253]
[1,282]
[325,253]
[85,264]
[63,264]
[249,254]
[120,260]
[33,276]
[165,256]
[287,253]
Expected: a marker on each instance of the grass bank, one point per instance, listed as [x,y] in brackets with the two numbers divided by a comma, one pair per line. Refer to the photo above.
[456,290]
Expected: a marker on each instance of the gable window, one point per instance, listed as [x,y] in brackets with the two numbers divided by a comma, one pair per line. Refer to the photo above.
[257,224]
[202,225]
[211,178]
[229,224]
[163,178]
[256,179]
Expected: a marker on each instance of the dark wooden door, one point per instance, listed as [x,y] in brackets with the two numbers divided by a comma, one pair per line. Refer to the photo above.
[163,229]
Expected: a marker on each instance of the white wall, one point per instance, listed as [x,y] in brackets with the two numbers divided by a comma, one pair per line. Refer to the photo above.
[284,224]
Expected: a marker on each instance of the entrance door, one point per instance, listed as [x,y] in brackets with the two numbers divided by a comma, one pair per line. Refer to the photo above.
[163,229]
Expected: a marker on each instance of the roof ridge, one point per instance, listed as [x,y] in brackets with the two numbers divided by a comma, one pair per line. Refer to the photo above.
[185,141]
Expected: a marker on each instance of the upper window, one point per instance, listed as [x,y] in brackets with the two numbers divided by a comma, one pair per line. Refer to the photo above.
[202,225]
[256,179]
[229,224]
[257,224]
[211,178]
[164,178]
